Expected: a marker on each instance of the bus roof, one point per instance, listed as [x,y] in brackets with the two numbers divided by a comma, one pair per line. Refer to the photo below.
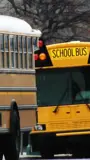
[16,25]
[68,44]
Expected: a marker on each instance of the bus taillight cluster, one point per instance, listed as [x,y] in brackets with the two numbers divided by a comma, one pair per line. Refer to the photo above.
[41,56]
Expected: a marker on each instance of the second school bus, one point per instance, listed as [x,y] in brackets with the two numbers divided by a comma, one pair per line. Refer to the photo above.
[18,41]
[63,96]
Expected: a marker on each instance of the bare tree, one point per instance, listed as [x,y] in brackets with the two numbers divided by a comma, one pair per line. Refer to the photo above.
[58,20]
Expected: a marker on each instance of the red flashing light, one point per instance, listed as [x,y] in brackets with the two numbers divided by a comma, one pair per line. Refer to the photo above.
[40,43]
[35,57]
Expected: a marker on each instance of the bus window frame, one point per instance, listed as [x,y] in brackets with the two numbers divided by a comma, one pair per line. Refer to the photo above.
[15,49]
[2,51]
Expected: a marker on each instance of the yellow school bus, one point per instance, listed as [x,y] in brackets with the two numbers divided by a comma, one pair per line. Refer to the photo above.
[63,97]
[17,83]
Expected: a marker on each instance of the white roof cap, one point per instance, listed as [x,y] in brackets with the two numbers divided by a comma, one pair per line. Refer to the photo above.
[74,41]
[16,25]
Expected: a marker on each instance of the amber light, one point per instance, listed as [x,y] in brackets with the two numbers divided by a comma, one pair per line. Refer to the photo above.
[42,56]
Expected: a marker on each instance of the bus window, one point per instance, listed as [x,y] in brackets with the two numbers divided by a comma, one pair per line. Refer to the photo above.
[16,50]
[35,43]
[12,59]
[12,51]
[54,87]
[25,44]
[6,54]
[6,37]
[16,43]
[29,45]
[11,43]
[25,60]
[30,52]
[20,44]
[2,42]
[21,61]
[2,50]
[30,60]
[20,51]
[24,51]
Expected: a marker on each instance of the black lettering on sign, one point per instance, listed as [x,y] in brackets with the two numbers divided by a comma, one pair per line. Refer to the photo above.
[81,52]
[84,51]
[69,52]
[65,52]
[77,51]
[61,53]
[54,53]
[57,53]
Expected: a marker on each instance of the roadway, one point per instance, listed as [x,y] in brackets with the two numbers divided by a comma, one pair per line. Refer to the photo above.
[56,157]
[60,157]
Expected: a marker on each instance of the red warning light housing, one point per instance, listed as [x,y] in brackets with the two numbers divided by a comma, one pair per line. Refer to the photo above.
[36,57]
[42,57]
[40,43]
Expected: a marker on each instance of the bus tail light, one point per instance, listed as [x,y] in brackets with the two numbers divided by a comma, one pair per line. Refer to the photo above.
[36,57]
[40,43]
[43,58]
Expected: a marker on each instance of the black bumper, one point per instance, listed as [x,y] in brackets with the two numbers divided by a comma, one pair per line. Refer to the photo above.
[41,139]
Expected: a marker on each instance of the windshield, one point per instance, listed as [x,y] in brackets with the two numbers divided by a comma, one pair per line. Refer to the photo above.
[63,86]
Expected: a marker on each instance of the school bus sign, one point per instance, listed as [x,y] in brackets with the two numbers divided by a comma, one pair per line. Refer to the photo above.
[69,54]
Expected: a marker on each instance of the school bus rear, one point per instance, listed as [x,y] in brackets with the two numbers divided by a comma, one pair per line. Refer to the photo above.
[63,95]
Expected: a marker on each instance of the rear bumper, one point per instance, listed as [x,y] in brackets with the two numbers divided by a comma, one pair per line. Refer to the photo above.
[39,139]
[58,140]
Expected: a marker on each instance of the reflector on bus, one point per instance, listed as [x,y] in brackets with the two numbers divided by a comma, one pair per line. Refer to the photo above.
[41,55]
